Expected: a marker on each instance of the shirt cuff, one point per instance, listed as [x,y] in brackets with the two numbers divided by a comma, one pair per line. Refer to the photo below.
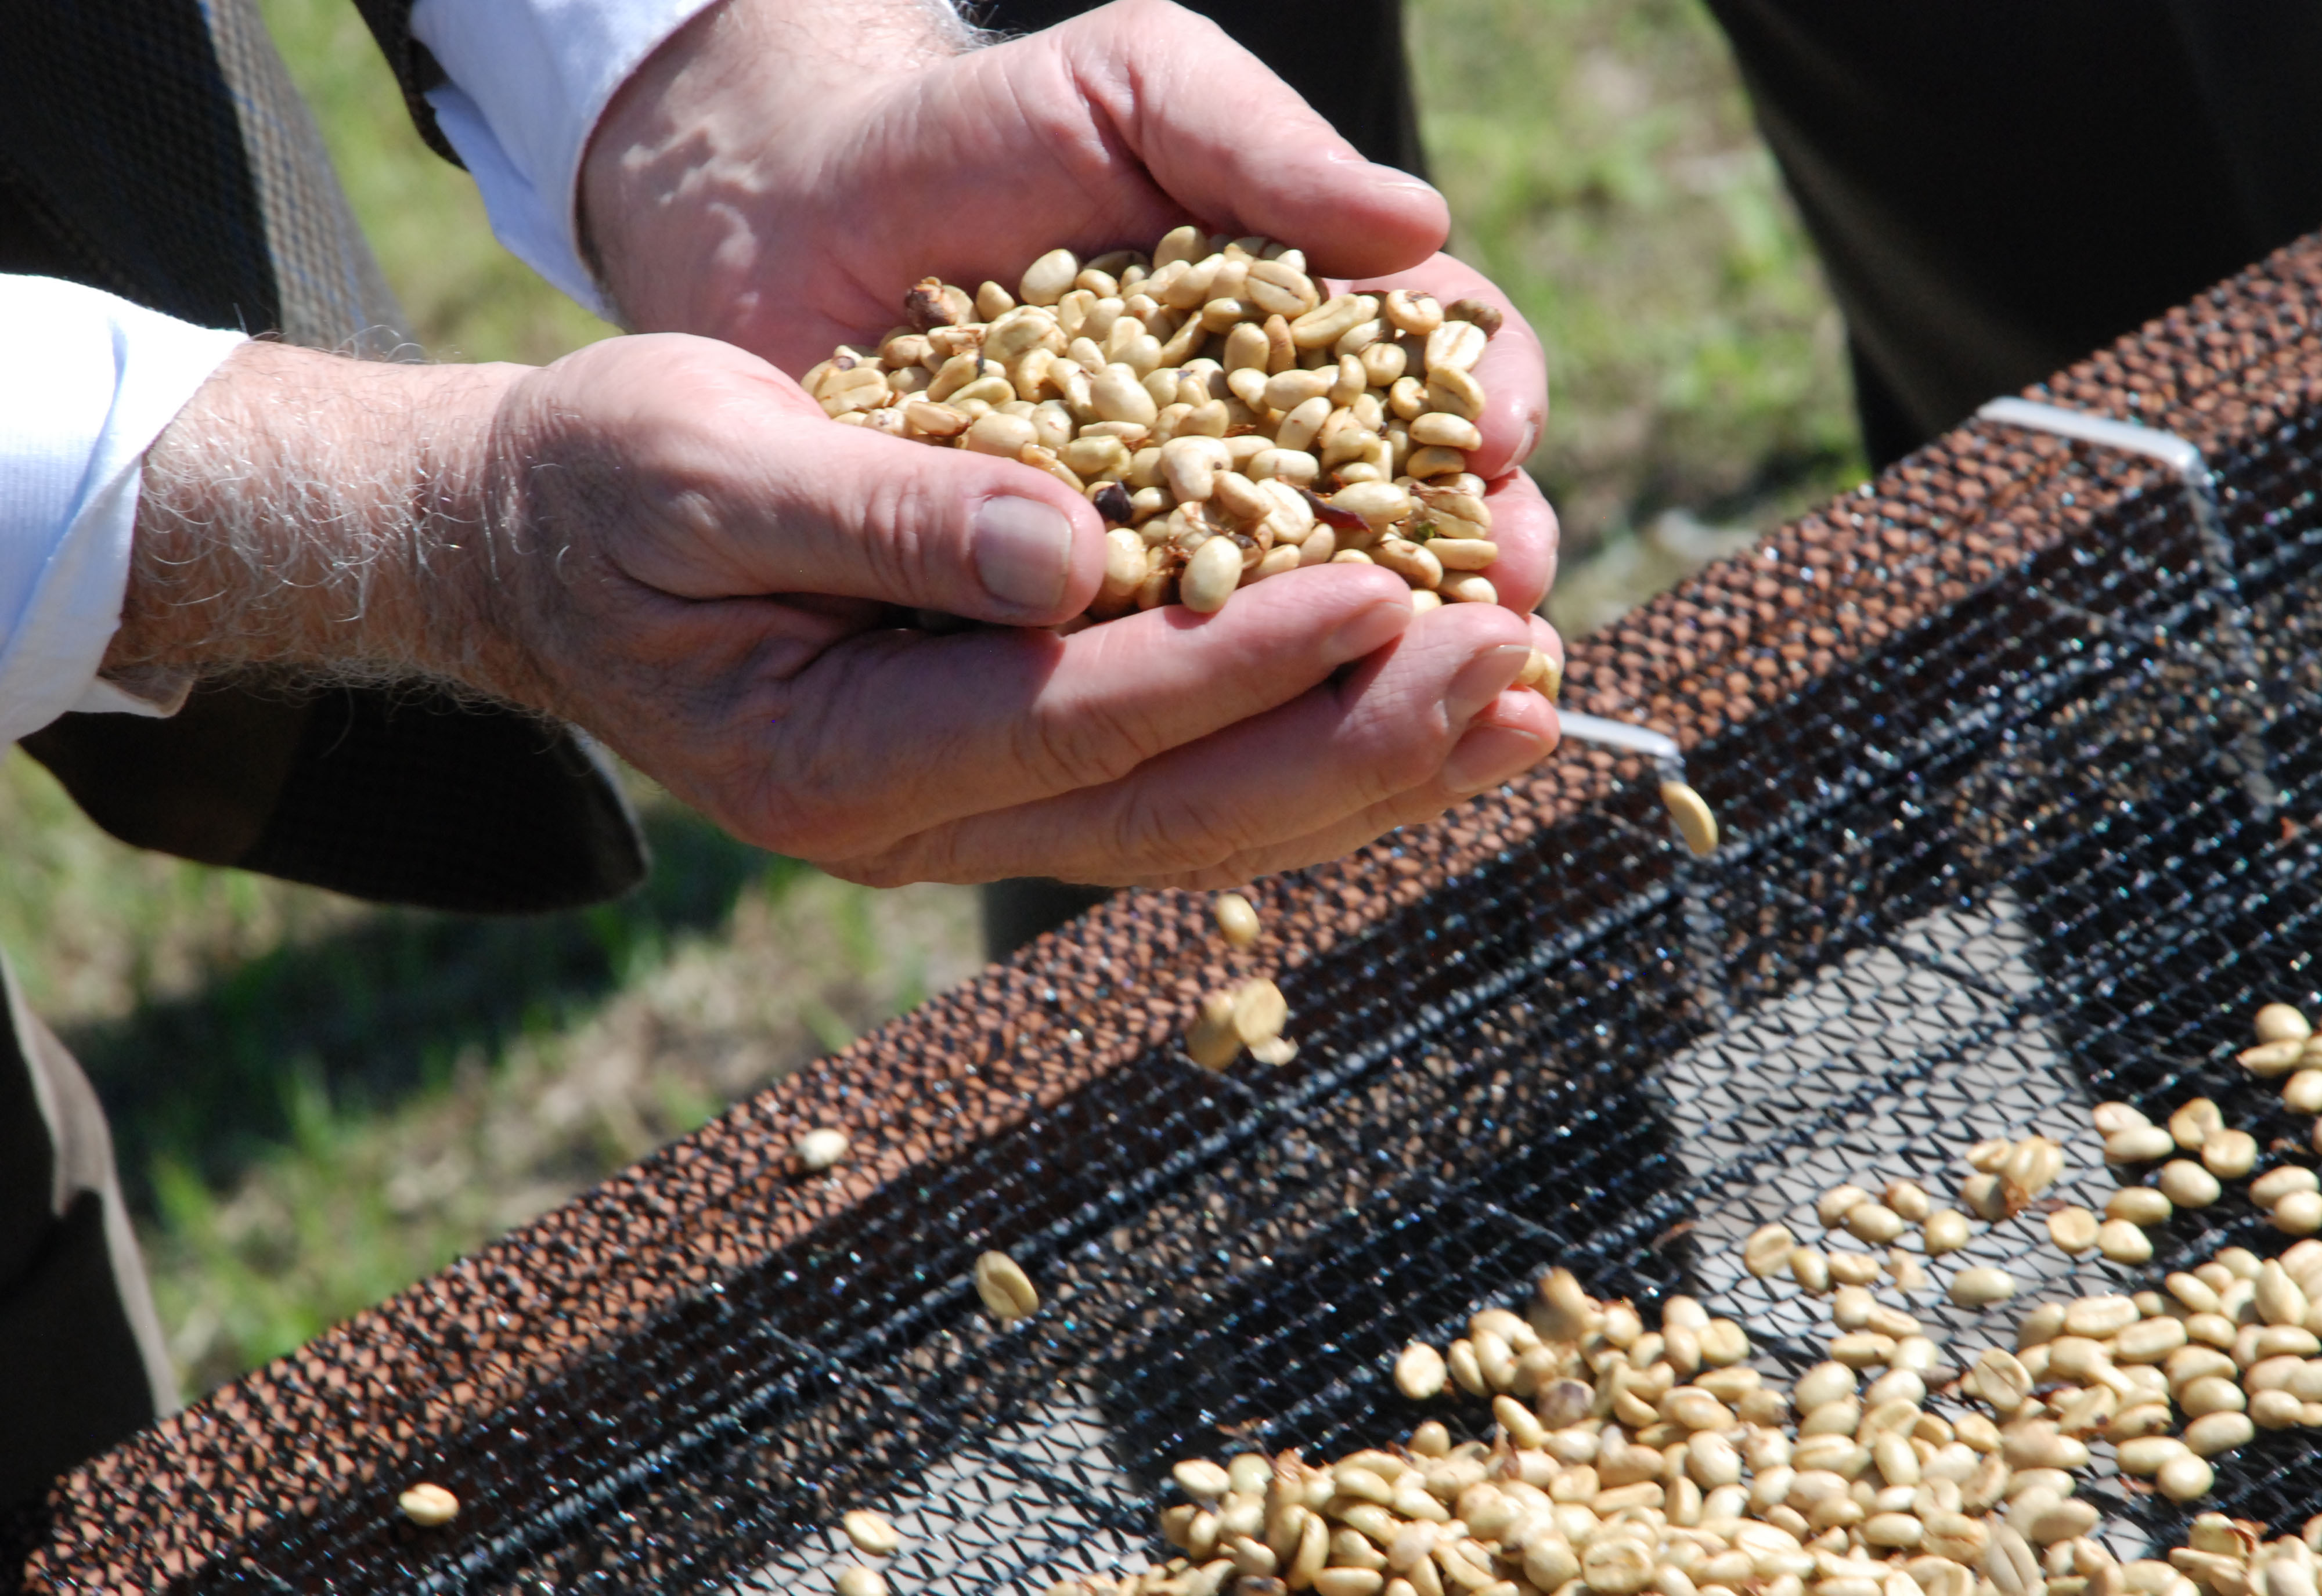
[112,376]
[528,82]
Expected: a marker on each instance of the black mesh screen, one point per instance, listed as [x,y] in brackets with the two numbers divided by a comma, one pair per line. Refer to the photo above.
[2009,831]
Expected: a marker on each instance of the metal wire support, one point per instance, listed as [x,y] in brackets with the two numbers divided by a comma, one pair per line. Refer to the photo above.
[2191,468]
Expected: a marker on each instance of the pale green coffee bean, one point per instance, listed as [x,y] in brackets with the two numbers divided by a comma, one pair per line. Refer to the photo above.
[1986,1156]
[1455,393]
[1984,1198]
[1808,1266]
[2277,1297]
[2274,1409]
[1439,430]
[1294,466]
[2275,1184]
[1299,427]
[1410,561]
[1945,1231]
[2273,1058]
[1981,1287]
[1431,461]
[1003,435]
[2073,1229]
[1286,390]
[1320,327]
[1237,919]
[2185,1479]
[1281,289]
[2096,1317]
[1464,554]
[870,1532]
[1200,1478]
[428,1504]
[1457,345]
[2280,1022]
[1115,393]
[1696,822]
[987,391]
[1862,1349]
[1007,1291]
[1768,1250]
[2139,1205]
[1412,312]
[1190,467]
[1723,1342]
[1260,1010]
[1210,576]
[1380,504]
[1420,1372]
[2211,1393]
[2214,1432]
[1467,587]
[1180,246]
[2298,1214]
[820,1149]
[2031,1167]
[2188,1185]
[1873,1222]
[2194,1122]
[854,1579]
[2138,1145]
[2193,1291]
[2229,1154]
[2146,1454]
[2149,1340]
[2000,1379]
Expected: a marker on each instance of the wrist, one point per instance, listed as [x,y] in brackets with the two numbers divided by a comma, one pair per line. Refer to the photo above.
[322,516]
[719,129]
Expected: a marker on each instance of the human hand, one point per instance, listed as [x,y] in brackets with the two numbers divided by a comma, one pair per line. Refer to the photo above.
[664,541]
[781,170]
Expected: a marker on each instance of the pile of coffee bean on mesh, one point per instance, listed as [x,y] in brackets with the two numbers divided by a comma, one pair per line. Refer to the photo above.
[1229,420]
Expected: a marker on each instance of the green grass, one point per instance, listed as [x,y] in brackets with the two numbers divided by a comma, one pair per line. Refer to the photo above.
[317,1102]
[1601,167]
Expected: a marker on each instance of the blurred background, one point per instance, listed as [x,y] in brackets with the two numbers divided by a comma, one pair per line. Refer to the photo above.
[317,1102]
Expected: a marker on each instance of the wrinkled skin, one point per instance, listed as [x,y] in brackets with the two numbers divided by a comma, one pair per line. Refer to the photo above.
[774,177]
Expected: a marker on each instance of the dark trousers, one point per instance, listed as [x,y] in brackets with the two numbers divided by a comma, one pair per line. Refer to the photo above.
[84,1363]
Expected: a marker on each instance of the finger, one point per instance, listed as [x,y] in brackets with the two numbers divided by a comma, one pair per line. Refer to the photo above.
[896,732]
[1513,372]
[741,487]
[1508,737]
[1334,752]
[1238,148]
[1524,527]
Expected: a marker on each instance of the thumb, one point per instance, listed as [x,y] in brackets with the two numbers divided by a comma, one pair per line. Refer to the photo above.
[717,477]
[851,511]
[1238,148]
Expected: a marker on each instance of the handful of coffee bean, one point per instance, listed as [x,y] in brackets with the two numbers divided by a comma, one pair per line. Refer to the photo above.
[1227,420]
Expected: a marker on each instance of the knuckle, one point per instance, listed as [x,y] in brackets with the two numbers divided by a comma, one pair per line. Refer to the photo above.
[1093,745]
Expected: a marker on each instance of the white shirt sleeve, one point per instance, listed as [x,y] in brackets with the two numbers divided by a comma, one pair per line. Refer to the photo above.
[86,383]
[529,80]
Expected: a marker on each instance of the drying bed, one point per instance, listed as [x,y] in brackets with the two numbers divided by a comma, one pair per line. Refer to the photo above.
[2018,774]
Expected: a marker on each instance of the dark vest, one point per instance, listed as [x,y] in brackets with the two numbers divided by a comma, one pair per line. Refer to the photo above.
[156,148]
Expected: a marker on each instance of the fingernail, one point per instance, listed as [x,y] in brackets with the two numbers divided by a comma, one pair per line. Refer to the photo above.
[1023,551]
[1376,626]
[1489,755]
[1484,678]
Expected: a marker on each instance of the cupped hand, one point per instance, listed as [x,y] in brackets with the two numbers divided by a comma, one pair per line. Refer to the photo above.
[782,170]
[695,564]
